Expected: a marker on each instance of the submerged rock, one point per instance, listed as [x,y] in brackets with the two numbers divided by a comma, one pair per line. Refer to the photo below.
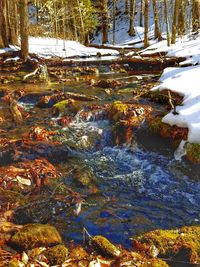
[105,247]
[35,235]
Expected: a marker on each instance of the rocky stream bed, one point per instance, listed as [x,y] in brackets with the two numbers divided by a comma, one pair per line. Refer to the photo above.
[88,175]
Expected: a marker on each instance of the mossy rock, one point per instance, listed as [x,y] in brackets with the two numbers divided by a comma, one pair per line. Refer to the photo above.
[193,152]
[66,107]
[117,111]
[56,254]
[183,243]
[105,247]
[35,235]
[155,263]
[61,106]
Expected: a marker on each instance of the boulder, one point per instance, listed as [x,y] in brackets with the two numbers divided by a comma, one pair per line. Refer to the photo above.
[35,235]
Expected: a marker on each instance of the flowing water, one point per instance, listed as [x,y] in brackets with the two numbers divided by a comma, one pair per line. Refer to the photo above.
[141,186]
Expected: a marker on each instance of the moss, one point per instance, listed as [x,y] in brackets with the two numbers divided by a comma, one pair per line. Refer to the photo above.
[61,106]
[56,254]
[105,247]
[117,111]
[155,124]
[193,152]
[35,235]
[175,243]
[155,263]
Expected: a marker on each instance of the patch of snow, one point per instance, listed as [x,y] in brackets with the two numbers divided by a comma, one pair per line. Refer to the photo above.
[184,81]
[51,47]
[11,59]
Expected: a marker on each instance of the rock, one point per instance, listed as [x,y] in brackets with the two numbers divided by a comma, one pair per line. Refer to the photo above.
[105,247]
[117,111]
[66,107]
[193,152]
[56,255]
[35,235]
[182,244]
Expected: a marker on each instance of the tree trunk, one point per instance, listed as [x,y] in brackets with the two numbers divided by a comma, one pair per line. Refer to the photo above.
[131,30]
[157,34]
[3,26]
[104,22]
[23,12]
[195,15]
[181,18]
[126,6]
[12,22]
[146,23]
[141,13]
[114,20]
[175,20]
[167,23]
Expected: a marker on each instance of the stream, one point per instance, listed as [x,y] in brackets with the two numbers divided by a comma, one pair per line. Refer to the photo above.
[141,187]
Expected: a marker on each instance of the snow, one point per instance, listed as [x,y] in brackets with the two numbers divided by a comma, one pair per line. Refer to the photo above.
[184,81]
[52,47]
[187,46]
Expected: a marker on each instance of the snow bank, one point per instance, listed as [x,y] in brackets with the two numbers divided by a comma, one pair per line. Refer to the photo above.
[49,47]
[187,46]
[184,81]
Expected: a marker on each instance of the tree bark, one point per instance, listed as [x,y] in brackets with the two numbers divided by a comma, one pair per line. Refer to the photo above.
[131,30]
[146,23]
[167,22]
[23,12]
[175,20]
[157,34]
[104,22]
[195,15]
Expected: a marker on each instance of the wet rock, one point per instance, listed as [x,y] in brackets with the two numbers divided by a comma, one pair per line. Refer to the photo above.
[105,247]
[181,244]
[66,107]
[56,255]
[85,176]
[106,84]
[50,100]
[35,235]
[175,133]
[193,152]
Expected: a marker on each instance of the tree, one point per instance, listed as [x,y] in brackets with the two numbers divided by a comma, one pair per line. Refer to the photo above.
[146,23]
[157,33]
[23,12]
[175,20]
[195,15]
[131,30]
[104,21]
[166,22]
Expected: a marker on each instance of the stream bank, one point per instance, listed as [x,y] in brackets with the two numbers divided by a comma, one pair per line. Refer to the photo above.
[93,163]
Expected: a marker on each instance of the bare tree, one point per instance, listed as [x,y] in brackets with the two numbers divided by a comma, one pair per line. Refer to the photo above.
[23,12]
[131,30]
[175,20]
[195,15]
[157,33]
[146,23]
[104,21]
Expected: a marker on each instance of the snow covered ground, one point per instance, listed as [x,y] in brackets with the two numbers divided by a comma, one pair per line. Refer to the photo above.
[184,81]
[51,47]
